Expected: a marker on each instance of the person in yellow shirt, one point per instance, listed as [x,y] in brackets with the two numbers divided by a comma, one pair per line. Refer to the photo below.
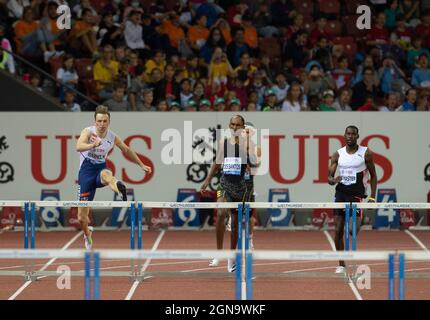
[198,34]
[105,72]
[245,65]
[219,68]
[157,61]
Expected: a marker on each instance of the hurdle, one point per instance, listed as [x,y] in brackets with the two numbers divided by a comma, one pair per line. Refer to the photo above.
[243,255]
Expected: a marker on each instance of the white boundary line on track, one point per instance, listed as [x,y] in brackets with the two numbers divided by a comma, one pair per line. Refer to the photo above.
[350,283]
[26,284]
[145,266]
[417,240]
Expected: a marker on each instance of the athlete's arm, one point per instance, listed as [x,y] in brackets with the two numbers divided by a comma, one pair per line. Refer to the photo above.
[332,170]
[216,166]
[131,154]
[373,178]
[83,145]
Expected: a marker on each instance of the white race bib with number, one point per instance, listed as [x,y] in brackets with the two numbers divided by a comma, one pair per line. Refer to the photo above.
[349,176]
[232,166]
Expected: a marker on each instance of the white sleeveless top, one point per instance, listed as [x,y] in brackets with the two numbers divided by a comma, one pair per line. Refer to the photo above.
[352,166]
[98,155]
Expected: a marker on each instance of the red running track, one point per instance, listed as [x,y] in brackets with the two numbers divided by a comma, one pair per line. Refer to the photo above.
[215,288]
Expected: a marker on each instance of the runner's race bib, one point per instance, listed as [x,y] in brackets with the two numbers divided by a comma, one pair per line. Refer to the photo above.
[232,166]
[349,176]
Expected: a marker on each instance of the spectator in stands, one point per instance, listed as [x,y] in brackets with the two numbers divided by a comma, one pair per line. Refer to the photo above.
[49,33]
[367,62]
[172,28]
[369,103]
[391,102]
[210,10]
[235,12]
[205,105]
[327,103]
[163,106]
[237,47]
[16,7]
[250,33]
[263,20]
[124,75]
[411,10]
[294,101]
[391,76]
[314,102]
[421,75]
[191,106]
[391,14]
[147,100]
[246,66]
[155,78]
[118,102]
[423,29]
[169,88]
[267,69]
[237,84]
[158,61]
[342,75]
[410,102]
[251,107]
[109,32]
[30,39]
[253,98]
[79,8]
[235,105]
[280,87]
[415,51]
[198,33]
[296,49]
[223,25]
[174,107]
[259,84]
[318,82]
[298,24]
[133,35]
[219,68]
[137,85]
[199,91]
[70,103]
[270,101]
[343,101]
[219,104]
[6,59]
[193,69]
[134,5]
[67,75]
[35,80]
[365,87]
[379,36]
[423,103]
[282,12]
[82,38]
[319,31]
[105,72]
[186,92]
[215,39]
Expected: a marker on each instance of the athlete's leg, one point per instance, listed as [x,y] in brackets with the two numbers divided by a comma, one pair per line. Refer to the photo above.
[108,179]
[84,220]
[234,228]
[220,225]
[339,224]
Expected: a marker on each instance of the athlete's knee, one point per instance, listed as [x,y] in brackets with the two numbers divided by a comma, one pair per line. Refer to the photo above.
[106,175]
[83,214]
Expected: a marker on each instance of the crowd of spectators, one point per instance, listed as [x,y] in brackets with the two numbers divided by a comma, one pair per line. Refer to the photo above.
[206,55]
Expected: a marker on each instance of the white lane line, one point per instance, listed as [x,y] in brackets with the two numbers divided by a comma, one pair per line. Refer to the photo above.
[26,284]
[145,266]
[350,282]
[418,241]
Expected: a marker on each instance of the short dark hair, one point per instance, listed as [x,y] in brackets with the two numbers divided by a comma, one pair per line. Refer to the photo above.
[240,117]
[101,109]
[351,127]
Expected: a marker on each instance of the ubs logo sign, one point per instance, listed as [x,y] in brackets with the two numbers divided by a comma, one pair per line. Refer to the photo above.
[6,170]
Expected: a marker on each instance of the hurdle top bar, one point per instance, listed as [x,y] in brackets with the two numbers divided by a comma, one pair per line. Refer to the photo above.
[217,205]
[208,254]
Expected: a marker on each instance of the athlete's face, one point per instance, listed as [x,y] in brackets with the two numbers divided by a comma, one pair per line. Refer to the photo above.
[102,122]
[351,137]
[236,125]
